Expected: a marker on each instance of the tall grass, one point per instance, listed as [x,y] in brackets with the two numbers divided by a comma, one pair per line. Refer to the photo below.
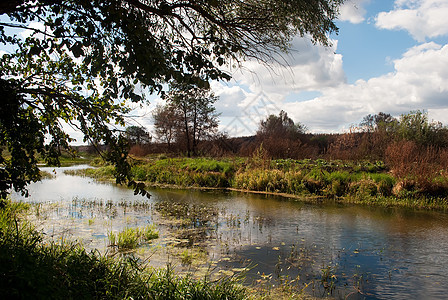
[419,168]
[199,172]
[33,269]
[314,181]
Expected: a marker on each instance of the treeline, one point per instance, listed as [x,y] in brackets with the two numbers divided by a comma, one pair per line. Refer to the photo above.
[376,137]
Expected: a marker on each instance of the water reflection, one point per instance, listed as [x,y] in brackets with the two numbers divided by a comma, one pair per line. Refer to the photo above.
[333,250]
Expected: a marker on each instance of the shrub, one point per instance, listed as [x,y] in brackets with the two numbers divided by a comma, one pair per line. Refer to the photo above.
[363,188]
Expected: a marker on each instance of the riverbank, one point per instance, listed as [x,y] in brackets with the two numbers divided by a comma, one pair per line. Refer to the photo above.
[351,182]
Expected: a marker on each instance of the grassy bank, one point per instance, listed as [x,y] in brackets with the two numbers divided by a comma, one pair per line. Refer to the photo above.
[31,268]
[361,182]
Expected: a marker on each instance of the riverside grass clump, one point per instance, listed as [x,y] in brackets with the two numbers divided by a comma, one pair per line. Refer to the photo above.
[130,238]
[314,182]
[200,172]
[32,268]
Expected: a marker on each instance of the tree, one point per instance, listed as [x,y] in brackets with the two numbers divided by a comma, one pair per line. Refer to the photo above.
[280,126]
[81,65]
[194,115]
[379,122]
[281,137]
[416,127]
[138,135]
[165,123]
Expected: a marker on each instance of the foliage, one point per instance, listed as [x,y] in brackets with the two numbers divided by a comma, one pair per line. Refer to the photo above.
[378,122]
[416,127]
[422,166]
[281,137]
[192,114]
[165,123]
[130,238]
[375,133]
[82,64]
[137,135]
[280,126]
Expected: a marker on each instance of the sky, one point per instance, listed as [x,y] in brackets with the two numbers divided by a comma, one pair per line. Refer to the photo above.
[389,56]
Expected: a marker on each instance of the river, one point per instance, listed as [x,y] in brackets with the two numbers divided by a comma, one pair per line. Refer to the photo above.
[330,250]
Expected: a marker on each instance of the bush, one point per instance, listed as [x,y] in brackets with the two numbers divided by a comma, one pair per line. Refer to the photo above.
[363,188]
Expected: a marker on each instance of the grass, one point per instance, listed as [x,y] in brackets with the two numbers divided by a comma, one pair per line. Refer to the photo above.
[130,238]
[31,268]
[103,173]
[344,181]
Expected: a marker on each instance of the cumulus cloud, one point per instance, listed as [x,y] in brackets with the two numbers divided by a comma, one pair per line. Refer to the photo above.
[418,82]
[421,18]
[353,11]
[257,90]
[306,67]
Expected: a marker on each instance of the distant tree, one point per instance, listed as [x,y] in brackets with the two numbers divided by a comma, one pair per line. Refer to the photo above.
[195,114]
[138,135]
[281,137]
[415,126]
[166,123]
[281,126]
[379,122]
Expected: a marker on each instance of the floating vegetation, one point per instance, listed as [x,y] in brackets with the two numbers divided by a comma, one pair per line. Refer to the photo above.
[32,268]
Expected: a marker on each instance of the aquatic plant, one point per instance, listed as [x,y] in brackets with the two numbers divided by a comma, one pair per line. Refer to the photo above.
[130,238]
[33,269]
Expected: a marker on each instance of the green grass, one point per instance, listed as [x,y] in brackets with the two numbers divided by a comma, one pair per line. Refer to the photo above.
[103,173]
[31,268]
[346,181]
[131,238]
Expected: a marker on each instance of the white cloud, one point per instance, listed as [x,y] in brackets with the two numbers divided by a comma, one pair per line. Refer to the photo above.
[418,82]
[34,25]
[353,11]
[258,90]
[306,67]
[421,18]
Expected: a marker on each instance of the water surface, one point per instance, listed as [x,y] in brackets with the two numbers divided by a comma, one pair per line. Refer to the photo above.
[327,250]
